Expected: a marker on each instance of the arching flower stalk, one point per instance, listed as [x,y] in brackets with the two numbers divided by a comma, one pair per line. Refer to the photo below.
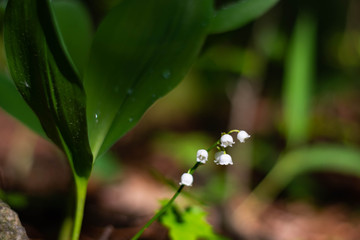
[221,158]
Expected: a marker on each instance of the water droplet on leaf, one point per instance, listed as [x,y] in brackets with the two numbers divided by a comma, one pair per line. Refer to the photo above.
[131,119]
[166,74]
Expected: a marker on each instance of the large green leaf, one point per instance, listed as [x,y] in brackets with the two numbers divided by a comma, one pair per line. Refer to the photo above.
[140,52]
[235,15]
[12,102]
[46,78]
[75,26]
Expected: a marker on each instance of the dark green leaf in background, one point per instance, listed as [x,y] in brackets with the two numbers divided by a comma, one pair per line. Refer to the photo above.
[76,29]
[236,15]
[12,102]
[138,55]
[46,78]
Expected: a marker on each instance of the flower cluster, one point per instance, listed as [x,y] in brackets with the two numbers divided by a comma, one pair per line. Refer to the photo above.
[221,157]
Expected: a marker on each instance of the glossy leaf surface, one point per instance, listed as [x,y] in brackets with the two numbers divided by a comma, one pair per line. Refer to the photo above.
[77,39]
[138,55]
[236,15]
[46,78]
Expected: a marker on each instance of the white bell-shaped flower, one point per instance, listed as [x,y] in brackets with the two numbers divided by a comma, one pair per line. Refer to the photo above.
[226,140]
[225,159]
[202,156]
[186,179]
[242,136]
[217,156]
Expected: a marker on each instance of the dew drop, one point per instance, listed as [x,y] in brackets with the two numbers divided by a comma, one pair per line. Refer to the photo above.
[27,84]
[96,118]
[131,119]
[166,74]
[130,91]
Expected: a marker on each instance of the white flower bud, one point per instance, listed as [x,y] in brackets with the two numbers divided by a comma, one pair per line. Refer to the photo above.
[217,156]
[225,159]
[242,136]
[186,179]
[226,140]
[202,156]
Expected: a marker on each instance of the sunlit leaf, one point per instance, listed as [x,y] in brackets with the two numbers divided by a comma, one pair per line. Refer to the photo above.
[46,78]
[138,55]
[236,15]
[189,224]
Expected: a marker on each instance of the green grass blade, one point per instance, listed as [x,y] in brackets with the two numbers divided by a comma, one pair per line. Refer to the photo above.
[138,55]
[299,74]
[237,14]
[334,158]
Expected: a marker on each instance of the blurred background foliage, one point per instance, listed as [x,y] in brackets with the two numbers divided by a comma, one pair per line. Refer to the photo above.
[290,78]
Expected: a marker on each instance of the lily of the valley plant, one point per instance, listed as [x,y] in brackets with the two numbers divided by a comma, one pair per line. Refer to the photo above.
[83,90]
[187,179]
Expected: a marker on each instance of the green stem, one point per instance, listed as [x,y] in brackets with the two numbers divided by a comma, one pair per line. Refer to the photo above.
[81,187]
[168,204]
[232,131]
[158,214]
[65,231]
[71,227]
[68,222]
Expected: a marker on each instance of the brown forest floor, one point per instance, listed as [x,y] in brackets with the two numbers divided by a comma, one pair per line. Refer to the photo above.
[116,209]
